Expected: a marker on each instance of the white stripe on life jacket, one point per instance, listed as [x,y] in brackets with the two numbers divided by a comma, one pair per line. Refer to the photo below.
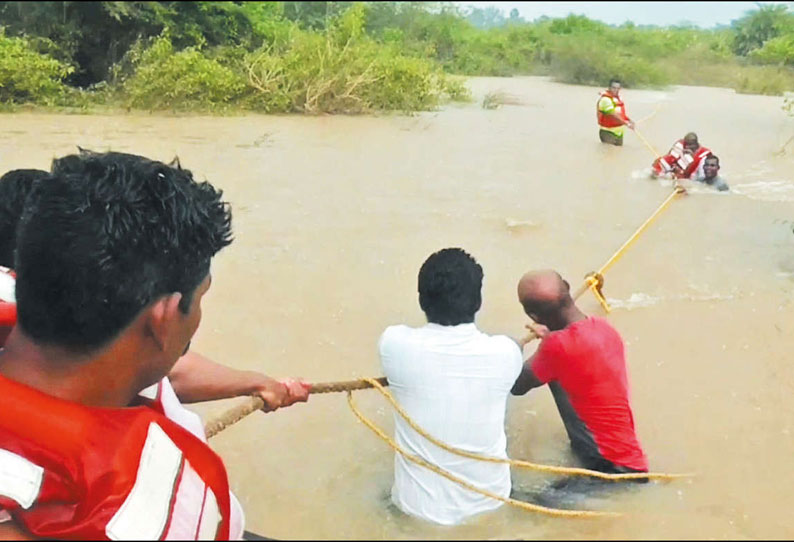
[187,506]
[7,286]
[210,518]
[144,513]
[20,479]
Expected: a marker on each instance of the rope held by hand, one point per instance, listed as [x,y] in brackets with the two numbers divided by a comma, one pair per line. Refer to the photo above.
[235,414]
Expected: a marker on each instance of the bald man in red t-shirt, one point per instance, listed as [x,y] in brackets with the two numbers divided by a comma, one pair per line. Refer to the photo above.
[582,359]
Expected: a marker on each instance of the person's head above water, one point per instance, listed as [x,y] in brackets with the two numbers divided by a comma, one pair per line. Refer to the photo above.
[711,166]
[691,142]
[450,284]
[546,298]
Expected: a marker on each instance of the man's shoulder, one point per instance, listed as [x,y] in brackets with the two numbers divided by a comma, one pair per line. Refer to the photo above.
[606,102]
[395,335]
[502,342]
[396,331]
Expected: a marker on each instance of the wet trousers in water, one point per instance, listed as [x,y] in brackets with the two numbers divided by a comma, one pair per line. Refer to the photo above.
[608,137]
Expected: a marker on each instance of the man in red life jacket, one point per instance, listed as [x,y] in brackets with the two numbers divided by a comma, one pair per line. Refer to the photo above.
[684,161]
[611,115]
[113,257]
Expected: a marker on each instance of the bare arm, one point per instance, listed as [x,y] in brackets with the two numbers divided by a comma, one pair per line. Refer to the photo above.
[626,122]
[196,378]
[9,530]
[526,380]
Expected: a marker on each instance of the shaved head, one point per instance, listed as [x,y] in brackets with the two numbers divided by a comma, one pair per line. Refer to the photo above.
[543,294]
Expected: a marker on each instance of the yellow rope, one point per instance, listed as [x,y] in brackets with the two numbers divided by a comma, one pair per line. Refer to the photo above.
[595,287]
[594,281]
[517,462]
[619,252]
[513,502]
[650,147]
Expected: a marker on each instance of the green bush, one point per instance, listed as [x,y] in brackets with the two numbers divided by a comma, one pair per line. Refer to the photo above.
[343,71]
[770,80]
[27,76]
[164,79]
[588,61]
[778,50]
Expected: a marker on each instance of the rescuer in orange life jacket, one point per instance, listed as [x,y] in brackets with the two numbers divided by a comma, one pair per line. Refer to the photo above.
[611,114]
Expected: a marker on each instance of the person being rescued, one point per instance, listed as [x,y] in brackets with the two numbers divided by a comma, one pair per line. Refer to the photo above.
[684,161]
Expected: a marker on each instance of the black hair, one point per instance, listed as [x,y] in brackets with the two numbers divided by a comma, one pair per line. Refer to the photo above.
[15,186]
[450,283]
[105,236]
[714,157]
[614,80]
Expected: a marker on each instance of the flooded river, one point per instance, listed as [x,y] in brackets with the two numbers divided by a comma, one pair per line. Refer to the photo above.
[334,215]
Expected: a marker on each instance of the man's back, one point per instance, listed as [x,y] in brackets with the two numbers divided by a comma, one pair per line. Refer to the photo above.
[454,382]
[586,368]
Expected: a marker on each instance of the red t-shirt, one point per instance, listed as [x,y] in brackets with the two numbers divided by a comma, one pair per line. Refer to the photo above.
[587,360]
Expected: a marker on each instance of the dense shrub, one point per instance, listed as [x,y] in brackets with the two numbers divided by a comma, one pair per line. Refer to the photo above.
[588,61]
[164,79]
[29,76]
[342,70]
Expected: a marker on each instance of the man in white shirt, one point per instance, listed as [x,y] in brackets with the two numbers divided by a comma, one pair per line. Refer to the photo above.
[453,381]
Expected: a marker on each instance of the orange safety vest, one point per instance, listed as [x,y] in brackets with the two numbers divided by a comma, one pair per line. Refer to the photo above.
[607,121]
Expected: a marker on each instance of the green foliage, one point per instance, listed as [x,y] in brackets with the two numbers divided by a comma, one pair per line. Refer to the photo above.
[770,80]
[186,79]
[27,76]
[343,71]
[767,22]
[351,57]
[589,62]
[779,50]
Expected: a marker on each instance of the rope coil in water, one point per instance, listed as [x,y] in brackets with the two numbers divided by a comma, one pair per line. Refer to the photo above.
[441,472]
[517,462]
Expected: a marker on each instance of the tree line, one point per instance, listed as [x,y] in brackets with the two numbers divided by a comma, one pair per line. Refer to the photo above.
[354,56]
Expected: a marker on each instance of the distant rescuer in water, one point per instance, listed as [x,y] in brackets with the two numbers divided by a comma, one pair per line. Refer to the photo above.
[611,114]
[583,361]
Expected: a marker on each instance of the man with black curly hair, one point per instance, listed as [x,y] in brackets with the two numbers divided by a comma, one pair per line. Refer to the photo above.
[113,259]
[453,380]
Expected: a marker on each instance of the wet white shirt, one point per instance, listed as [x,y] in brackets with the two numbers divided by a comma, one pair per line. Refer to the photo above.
[453,381]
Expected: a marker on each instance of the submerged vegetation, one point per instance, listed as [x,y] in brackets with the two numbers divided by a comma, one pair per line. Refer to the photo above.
[354,57]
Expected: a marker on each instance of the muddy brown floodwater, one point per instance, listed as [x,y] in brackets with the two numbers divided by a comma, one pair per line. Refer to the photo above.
[334,215]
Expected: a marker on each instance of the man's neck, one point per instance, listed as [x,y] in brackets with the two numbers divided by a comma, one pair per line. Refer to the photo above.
[96,379]
[569,316]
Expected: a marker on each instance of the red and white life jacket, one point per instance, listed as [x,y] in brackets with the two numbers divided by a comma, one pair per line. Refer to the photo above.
[607,120]
[69,471]
[8,307]
[687,163]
